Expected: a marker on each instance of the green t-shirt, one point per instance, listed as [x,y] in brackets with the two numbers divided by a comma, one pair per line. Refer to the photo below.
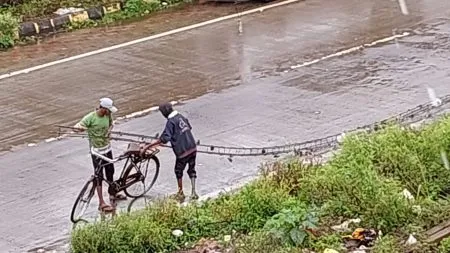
[97,129]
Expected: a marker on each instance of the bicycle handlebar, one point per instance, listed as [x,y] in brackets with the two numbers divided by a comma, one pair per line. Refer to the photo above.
[109,160]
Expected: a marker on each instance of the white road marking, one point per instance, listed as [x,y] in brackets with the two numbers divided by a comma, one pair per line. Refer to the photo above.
[350,50]
[156,36]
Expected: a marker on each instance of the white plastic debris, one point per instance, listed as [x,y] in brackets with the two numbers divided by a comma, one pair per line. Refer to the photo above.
[177,233]
[40,251]
[407,194]
[344,226]
[380,234]
[330,251]
[51,139]
[445,159]
[64,11]
[31,144]
[403,7]
[411,240]
[435,101]
[227,238]
[341,137]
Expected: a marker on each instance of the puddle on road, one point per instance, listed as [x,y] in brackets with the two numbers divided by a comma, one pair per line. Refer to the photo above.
[418,55]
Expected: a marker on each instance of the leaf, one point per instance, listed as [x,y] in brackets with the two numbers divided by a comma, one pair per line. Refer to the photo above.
[308,224]
[297,236]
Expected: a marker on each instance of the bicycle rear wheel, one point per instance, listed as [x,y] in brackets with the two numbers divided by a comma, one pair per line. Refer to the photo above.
[145,176]
[82,202]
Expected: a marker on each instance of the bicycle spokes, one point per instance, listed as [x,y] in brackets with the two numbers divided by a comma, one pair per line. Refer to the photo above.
[138,180]
[83,202]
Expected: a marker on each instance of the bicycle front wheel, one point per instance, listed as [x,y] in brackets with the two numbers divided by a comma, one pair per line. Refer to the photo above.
[144,175]
[82,202]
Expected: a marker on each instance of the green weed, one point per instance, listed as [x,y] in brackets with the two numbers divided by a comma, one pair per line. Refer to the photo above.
[444,247]
[9,27]
[388,244]
[292,226]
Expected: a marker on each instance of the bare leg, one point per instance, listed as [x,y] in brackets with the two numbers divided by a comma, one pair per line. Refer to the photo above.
[179,167]
[180,185]
[98,185]
[101,201]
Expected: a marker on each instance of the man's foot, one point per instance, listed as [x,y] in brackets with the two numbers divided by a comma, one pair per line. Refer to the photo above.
[105,208]
[179,196]
[194,196]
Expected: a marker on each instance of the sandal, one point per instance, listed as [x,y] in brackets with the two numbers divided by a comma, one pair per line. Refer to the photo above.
[179,196]
[106,208]
[194,196]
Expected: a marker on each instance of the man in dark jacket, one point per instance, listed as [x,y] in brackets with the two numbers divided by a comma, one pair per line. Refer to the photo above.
[178,133]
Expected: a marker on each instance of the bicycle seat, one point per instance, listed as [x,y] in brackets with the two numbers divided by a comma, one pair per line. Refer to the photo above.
[133,149]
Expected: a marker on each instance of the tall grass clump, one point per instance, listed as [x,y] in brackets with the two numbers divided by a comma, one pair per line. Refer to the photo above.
[412,157]
[150,230]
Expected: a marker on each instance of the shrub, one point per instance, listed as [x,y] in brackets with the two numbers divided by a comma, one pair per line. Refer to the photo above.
[332,241]
[150,230]
[293,226]
[9,27]
[355,190]
[135,8]
[444,247]
[409,156]
[387,244]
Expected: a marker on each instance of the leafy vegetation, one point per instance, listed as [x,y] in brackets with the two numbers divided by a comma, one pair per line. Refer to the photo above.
[293,205]
[445,246]
[9,26]
[292,226]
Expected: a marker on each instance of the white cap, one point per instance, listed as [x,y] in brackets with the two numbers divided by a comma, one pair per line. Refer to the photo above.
[108,104]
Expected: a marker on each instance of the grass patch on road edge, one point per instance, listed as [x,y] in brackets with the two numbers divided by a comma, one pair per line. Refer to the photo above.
[293,205]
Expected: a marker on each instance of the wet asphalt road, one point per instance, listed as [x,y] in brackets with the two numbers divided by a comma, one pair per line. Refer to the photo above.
[237,92]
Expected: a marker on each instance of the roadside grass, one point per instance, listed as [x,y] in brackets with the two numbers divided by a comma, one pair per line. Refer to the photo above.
[9,27]
[293,205]
[12,15]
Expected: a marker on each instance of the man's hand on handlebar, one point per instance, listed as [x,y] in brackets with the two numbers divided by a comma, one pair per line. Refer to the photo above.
[145,147]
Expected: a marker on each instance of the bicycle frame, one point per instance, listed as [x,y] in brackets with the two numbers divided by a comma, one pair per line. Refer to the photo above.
[121,183]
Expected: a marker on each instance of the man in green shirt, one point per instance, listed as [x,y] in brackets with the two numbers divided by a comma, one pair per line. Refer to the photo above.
[98,125]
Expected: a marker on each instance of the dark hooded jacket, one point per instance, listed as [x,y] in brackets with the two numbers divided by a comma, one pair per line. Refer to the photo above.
[177,132]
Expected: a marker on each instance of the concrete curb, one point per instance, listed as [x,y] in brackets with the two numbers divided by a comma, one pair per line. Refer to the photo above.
[53,25]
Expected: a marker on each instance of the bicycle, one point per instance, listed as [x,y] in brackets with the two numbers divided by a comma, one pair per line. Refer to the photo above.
[134,161]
